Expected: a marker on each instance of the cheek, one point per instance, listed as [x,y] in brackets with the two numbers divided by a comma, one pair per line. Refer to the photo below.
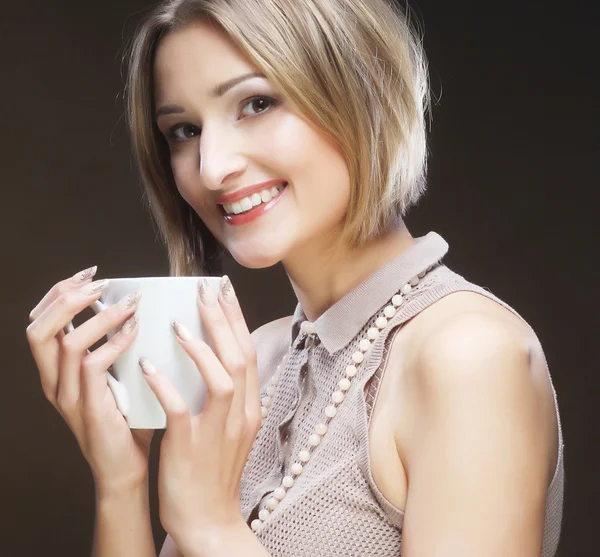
[311,158]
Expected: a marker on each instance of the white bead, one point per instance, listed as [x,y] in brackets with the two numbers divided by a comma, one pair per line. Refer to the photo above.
[264,411]
[330,411]
[272,503]
[364,344]
[279,493]
[337,397]
[321,429]
[270,390]
[266,401]
[351,370]
[344,384]
[414,281]
[397,300]
[381,322]
[314,440]
[264,514]
[358,357]
[297,469]
[288,481]
[308,327]
[373,333]
[406,288]
[389,311]
[275,380]
[304,456]
[256,524]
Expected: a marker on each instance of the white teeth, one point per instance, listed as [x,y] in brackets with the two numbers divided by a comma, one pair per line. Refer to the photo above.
[246,203]
[252,201]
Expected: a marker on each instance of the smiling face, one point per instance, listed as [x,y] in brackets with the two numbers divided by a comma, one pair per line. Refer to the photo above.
[248,135]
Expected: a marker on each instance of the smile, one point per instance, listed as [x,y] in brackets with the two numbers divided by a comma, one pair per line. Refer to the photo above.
[250,208]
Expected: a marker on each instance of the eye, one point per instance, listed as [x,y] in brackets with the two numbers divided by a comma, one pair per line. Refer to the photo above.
[260,104]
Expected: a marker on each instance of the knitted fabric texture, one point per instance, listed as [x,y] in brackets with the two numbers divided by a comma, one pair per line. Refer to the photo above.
[334,507]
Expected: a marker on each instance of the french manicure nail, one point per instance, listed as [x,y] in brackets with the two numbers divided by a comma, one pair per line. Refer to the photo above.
[181,331]
[227,290]
[82,276]
[207,295]
[94,287]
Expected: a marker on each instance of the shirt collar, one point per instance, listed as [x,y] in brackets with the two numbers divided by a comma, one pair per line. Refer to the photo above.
[337,326]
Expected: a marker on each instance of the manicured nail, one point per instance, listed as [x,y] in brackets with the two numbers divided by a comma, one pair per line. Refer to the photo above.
[227,291]
[94,287]
[181,331]
[207,294]
[146,366]
[129,302]
[129,325]
[82,276]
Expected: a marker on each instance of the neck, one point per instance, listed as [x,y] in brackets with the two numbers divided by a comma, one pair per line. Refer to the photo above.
[322,272]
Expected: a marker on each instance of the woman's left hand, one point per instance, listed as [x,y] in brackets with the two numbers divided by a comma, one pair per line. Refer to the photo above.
[202,457]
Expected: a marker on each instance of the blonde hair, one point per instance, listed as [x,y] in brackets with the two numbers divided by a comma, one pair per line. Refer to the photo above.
[354,67]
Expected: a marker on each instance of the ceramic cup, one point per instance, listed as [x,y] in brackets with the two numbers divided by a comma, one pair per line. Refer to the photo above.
[163,300]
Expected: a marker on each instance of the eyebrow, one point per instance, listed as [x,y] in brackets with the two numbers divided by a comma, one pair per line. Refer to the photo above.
[216,92]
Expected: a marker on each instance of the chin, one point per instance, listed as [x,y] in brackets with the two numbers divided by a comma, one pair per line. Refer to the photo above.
[256,260]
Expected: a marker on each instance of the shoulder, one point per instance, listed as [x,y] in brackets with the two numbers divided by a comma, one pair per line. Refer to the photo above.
[474,366]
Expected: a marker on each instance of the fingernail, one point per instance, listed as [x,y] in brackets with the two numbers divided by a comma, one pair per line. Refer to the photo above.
[129,325]
[128,302]
[82,276]
[227,290]
[181,331]
[207,294]
[146,366]
[94,287]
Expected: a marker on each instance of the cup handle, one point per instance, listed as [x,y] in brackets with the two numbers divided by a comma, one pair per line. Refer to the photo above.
[118,390]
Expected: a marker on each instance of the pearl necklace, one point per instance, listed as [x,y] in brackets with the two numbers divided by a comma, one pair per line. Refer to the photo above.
[337,397]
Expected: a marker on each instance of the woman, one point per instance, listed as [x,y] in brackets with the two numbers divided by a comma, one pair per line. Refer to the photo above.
[404,408]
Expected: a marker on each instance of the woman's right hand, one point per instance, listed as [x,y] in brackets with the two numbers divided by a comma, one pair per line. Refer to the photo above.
[74,380]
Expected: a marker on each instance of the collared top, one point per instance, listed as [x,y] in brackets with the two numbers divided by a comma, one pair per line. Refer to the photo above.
[337,326]
[334,507]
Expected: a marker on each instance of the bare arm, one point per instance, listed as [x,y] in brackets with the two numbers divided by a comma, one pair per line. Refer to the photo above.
[122,526]
[478,461]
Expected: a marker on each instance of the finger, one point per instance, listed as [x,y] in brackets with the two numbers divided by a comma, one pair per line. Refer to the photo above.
[74,282]
[233,313]
[92,375]
[225,346]
[179,425]
[219,384]
[43,333]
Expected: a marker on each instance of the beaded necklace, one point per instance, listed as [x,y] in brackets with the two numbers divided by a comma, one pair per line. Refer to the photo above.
[358,357]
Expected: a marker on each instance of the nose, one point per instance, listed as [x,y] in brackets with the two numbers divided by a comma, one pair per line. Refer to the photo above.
[220,158]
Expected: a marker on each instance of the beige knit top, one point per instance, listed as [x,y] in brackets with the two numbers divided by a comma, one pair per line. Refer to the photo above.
[334,507]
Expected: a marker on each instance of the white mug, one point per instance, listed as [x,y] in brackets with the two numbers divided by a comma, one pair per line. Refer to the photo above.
[163,300]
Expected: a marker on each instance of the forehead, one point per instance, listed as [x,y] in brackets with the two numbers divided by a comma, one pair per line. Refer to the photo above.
[194,59]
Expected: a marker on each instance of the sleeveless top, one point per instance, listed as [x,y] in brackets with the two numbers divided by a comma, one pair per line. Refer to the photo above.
[334,507]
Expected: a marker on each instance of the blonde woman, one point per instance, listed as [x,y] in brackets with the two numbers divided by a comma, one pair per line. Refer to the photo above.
[401,409]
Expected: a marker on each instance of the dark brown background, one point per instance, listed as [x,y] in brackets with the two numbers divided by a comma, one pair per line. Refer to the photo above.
[511,187]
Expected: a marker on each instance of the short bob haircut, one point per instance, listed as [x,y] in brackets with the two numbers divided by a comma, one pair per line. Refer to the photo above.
[356,68]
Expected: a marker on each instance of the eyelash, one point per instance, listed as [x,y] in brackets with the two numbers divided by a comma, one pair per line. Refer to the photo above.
[170,135]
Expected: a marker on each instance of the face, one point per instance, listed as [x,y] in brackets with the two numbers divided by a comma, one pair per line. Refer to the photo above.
[250,134]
